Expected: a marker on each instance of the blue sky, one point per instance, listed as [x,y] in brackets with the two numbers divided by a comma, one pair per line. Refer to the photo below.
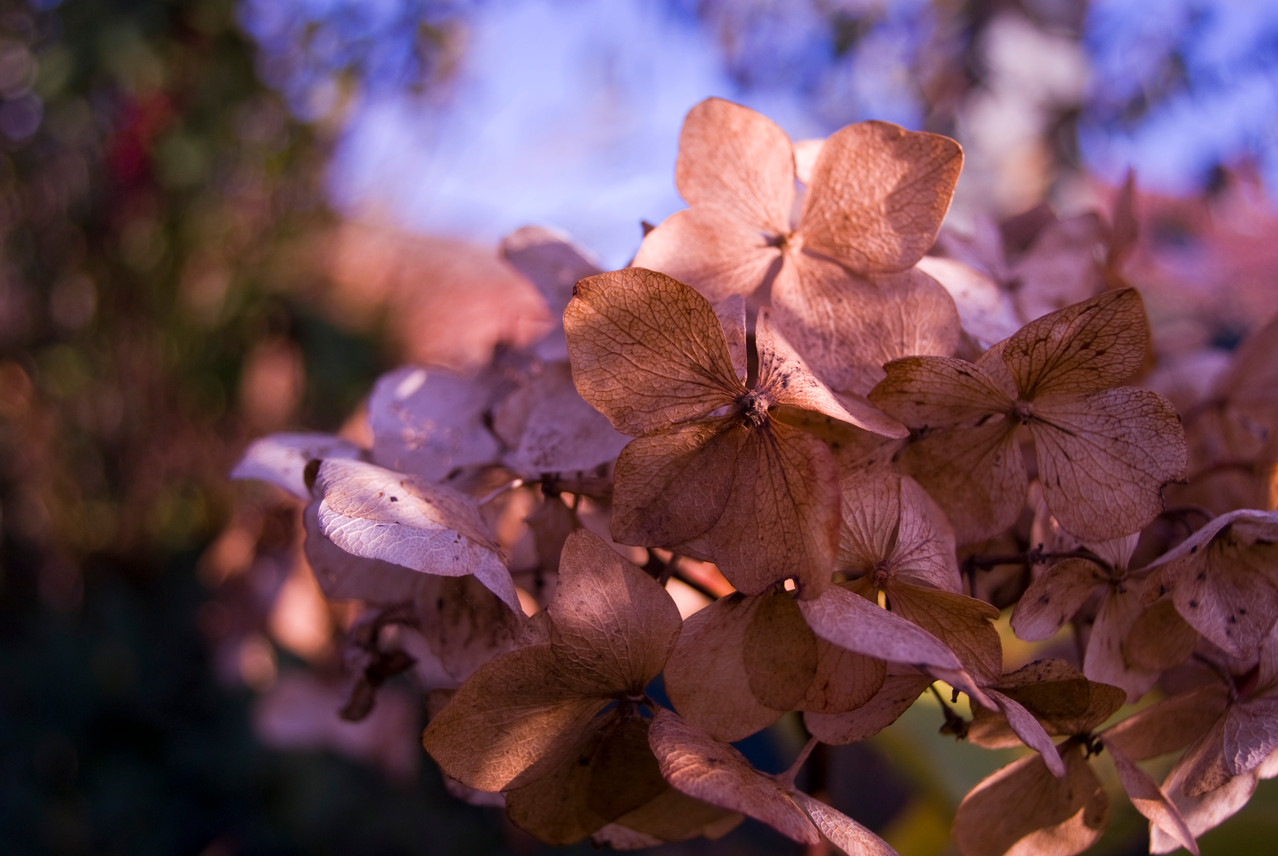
[567,113]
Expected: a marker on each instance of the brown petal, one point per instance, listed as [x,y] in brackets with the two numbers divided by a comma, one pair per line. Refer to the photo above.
[673,487]
[1023,809]
[786,380]
[1090,346]
[1150,800]
[878,195]
[871,512]
[963,623]
[890,523]
[848,327]
[898,692]
[718,774]
[1104,458]
[731,312]
[925,544]
[670,816]
[706,678]
[550,428]
[611,772]
[514,712]
[550,523]
[647,351]
[977,475]
[781,520]
[1027,727]
[843,680]
[844,832]
[1171,724]
[985,311]
[935,392]
[733,158]
[1065,701]
[760,501]
[780,652]
[1054,598]
[1203,791]
[612,625]
[1159,638]
[1251,383]
[1060,268]
[465,624]
[851,622]
[711,250]
[1224,579]
[1105,660]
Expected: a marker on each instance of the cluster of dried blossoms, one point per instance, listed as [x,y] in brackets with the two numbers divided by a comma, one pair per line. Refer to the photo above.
[845,459]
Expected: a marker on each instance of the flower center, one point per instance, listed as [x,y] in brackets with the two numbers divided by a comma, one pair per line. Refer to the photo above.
[1023,412]
[754,407]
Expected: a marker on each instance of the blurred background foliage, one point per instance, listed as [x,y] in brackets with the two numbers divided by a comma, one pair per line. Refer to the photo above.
[221,219]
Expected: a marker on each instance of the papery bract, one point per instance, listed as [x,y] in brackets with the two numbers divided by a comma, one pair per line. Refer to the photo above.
[717,773]
[529,722]
[1224,579]
[712,472]
[375,513]
[839,278]
[1104,452]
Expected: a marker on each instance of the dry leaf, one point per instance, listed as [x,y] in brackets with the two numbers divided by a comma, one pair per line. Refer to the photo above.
[375,513]
[281,459]
[715,772]
[842,831]
[343,576]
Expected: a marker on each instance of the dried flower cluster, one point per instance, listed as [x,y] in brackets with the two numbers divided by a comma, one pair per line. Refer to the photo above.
[846,459]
